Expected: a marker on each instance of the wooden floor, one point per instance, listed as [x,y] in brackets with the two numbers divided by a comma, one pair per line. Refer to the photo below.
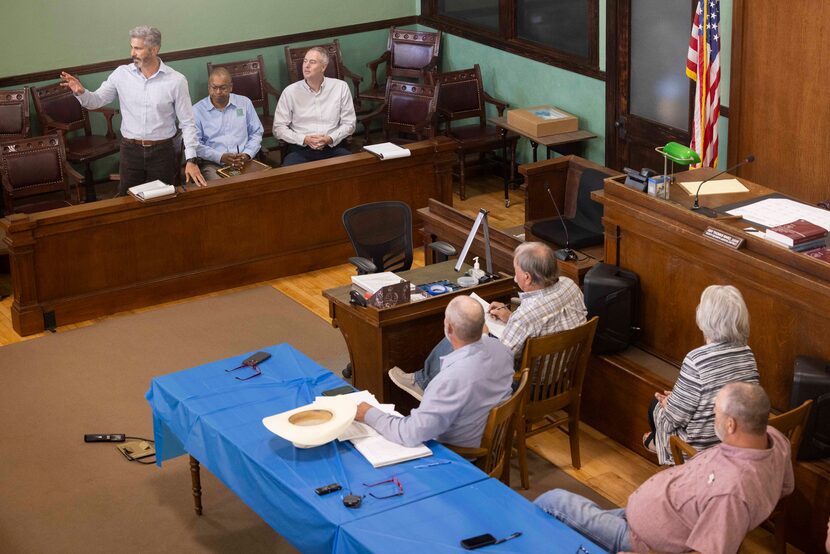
[607,467]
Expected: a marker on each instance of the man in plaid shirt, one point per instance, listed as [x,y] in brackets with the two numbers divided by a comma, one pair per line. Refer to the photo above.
[549,304]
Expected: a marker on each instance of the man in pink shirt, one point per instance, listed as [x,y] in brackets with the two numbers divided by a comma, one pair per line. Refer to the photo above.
[705,505]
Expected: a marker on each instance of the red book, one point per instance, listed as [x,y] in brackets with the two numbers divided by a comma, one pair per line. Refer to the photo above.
[796,232]
[819,253]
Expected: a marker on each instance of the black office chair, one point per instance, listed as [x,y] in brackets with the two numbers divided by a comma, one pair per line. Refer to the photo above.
[381,234]
[585,227]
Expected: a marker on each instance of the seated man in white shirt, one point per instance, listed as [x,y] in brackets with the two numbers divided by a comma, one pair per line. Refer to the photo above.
[227,126]
[475,377]
[316,114]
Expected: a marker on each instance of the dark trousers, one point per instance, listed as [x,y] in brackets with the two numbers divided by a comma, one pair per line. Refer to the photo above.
[141,164]
[302,154]
[651,415]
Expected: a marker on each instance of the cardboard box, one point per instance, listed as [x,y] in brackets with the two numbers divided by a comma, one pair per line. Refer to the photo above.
[540,121]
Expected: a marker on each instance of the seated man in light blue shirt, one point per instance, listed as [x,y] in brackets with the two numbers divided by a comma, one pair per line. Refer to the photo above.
[475,377]
[227,126]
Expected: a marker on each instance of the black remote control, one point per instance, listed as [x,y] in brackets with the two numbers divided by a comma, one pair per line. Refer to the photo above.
[328,489]
[113,437]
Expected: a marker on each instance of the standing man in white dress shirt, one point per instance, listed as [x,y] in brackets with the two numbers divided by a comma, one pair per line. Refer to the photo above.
[316,114]
[152,96]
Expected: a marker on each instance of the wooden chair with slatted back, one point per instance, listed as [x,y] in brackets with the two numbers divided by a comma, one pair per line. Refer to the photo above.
[557,365]
[493,455]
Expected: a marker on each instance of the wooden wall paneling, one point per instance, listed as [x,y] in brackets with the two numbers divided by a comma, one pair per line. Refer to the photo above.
[95,259]
[788,296]
[779,95]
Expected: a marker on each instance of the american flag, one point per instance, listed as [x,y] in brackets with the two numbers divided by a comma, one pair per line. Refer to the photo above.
[703,66]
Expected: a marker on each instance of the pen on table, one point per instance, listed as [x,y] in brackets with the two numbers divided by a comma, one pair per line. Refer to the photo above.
[433,464]
[515,535]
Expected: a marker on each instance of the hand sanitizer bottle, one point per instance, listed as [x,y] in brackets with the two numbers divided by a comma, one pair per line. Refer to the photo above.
[476,272]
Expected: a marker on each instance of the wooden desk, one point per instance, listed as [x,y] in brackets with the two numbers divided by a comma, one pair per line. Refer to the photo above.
[562,143]
[403,335]
[81,262]
[787,293]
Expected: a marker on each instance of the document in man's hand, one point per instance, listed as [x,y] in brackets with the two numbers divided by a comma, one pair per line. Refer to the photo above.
[387,151]
[494,325]
[152,190]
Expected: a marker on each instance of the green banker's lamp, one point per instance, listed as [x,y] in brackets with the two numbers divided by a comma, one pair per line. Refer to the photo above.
[677,154]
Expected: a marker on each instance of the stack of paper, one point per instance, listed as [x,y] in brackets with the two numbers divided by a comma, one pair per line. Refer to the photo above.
[494,324]
[377,450]
[153,189]
[387,151]
[373,282]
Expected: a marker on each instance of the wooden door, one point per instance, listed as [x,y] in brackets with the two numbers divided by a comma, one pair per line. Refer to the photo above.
[649,97]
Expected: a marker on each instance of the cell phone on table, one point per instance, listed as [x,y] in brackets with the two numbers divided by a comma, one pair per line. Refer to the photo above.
[477,542]
[345,389]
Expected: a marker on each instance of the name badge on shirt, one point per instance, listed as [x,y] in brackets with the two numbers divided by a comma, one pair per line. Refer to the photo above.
[239,112]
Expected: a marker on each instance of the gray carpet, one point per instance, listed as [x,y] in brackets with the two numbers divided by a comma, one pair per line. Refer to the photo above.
[62,495]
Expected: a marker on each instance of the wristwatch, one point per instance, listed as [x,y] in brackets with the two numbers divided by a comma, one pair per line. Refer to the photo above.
[193,160]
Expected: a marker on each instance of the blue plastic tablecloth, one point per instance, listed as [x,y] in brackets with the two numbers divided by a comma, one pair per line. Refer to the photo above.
[204,411]
[438,523]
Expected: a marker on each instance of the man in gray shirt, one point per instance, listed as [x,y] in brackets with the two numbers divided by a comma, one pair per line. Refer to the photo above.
[476,376]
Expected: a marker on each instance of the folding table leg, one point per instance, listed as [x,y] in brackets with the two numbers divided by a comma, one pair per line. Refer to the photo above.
[196,481]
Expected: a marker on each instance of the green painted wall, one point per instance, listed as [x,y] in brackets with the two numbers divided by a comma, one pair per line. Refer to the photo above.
[55,33]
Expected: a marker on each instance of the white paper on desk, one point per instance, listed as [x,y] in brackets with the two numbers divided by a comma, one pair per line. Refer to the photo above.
[153,189]
[380,452]
[494,324]
[387,151]
[721,186]
[359,430]
[373,282]
[771,212]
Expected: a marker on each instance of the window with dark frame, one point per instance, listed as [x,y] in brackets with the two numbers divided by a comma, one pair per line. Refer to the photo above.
[559,32]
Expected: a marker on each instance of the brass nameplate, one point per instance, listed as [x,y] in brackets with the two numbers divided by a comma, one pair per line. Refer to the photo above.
[724,238]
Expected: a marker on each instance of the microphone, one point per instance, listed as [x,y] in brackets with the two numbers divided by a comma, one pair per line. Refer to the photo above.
[564,254]
[709,212]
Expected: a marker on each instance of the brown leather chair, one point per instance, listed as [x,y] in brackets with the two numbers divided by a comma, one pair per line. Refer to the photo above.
[792,425]
[463,97]
[336,69]
[408,112]
[34,171]
[248,77]
[14,114]
[410,55]
[59,110]
[557,365]
[493,454]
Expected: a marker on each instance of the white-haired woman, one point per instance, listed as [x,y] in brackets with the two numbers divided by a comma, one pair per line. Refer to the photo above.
[688,409]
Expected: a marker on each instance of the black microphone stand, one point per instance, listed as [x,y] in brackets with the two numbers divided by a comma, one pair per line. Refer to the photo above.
[564,254]
[708,212]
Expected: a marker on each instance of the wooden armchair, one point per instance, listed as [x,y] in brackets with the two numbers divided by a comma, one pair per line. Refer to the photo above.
[409,55]
[408,112]
[33,172]
[248,78]
[792,425]
[59,110]
[462,96]
[336,69]
[14,114]
[557,365]
[493,455]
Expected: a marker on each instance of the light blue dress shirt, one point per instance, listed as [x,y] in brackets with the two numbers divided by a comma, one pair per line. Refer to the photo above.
[237,128]
[149,105]
[473,379]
